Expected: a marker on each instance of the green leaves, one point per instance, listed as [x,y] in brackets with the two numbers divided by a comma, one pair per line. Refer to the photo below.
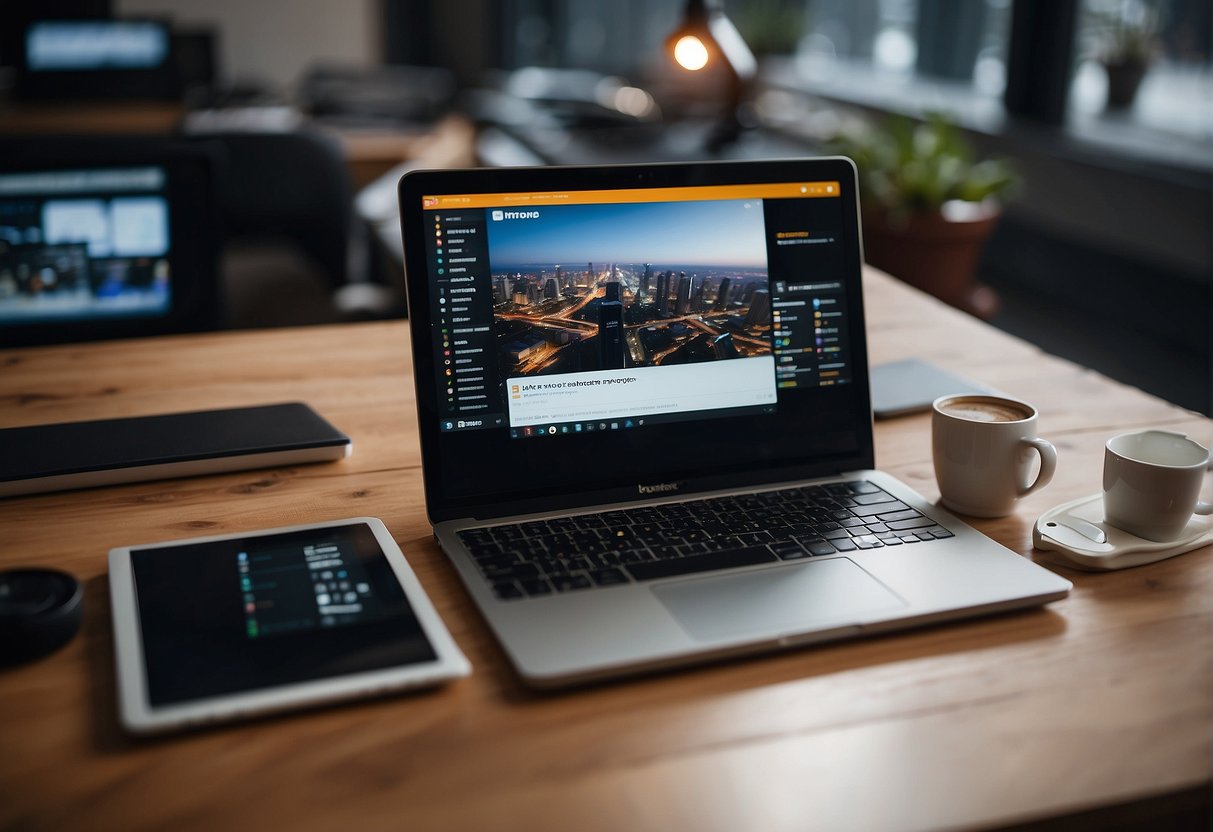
[908,167]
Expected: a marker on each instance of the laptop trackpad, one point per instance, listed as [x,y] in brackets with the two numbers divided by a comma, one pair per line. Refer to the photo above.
[779,601]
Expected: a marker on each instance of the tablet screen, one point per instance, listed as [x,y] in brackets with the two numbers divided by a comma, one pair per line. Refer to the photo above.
[229,616]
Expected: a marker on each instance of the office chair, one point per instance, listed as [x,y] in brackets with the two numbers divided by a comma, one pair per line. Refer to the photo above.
[293,243]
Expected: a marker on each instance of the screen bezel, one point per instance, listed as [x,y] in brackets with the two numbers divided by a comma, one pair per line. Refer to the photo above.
[139,716]
[770,464]
[194,241]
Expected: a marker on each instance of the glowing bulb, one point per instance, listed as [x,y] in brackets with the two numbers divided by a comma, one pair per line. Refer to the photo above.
[690,53]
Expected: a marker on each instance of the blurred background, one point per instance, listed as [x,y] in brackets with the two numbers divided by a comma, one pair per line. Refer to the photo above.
[169,165]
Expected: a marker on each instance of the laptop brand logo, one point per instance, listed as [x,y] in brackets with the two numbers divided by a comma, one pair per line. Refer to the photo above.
[660,488]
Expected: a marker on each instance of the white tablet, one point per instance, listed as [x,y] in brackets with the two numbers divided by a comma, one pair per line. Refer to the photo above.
[233,626]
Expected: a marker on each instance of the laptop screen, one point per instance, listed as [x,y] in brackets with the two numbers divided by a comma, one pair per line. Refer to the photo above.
[663,326]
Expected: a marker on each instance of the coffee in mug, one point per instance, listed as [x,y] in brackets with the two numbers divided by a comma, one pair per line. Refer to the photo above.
[1151,483]
[984,448]
[984,410]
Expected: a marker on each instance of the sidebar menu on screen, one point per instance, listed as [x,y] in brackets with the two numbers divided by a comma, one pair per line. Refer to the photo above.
[811,338]
[463,342]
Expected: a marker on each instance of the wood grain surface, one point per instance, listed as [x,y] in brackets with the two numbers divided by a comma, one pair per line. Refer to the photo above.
[1097,706]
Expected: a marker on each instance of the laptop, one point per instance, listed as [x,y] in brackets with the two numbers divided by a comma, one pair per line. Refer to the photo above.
[645,421]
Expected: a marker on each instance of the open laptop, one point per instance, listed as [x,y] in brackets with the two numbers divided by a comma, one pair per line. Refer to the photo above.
[645,421]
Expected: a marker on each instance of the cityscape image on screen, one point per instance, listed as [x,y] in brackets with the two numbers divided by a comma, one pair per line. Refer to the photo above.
[609,287]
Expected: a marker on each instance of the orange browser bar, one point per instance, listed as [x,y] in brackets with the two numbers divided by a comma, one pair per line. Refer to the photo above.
[781,190]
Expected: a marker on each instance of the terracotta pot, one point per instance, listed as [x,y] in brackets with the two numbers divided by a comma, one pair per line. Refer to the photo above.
[935,254]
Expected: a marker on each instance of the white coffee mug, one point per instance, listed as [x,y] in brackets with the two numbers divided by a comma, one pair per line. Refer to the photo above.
[984,448]
[1151,483]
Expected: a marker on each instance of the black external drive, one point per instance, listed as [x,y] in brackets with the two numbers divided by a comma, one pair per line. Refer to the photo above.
[70,455]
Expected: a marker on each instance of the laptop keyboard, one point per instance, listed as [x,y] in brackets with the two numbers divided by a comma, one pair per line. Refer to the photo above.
[584,551]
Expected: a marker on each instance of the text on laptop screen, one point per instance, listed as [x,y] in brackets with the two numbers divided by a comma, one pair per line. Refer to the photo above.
[84,244]
[586,311]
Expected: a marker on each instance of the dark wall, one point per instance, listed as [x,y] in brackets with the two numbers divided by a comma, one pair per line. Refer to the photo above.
[1123,249]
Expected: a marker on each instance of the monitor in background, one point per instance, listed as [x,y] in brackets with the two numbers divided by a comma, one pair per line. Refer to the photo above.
[89,59]
[64,45]
[84,244]
[104,237]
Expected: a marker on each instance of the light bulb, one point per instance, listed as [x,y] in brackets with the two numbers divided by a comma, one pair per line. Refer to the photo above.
[690,53]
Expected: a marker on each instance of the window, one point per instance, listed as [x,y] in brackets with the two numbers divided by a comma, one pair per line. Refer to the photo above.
[608,37]
[1147,64]
[962,43]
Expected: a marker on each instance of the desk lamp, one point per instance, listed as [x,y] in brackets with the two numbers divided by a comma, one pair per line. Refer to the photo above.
[707,38]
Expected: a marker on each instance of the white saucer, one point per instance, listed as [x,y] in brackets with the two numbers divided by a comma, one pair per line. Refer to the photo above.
[1071,531]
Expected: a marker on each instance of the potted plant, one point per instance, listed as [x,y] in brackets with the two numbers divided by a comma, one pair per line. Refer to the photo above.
[1128,45]
[771,27]
[928,206]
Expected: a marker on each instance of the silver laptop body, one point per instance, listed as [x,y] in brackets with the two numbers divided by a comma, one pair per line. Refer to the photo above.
[707,379]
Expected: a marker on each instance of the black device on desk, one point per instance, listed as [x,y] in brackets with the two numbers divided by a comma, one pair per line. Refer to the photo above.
[910,385]
[70,455]
[40,611]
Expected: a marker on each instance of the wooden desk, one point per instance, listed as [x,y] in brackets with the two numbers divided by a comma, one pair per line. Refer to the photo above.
[1097,707]
[152,118]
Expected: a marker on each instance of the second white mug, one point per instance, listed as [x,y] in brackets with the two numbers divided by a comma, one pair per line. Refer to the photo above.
[1151,483]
